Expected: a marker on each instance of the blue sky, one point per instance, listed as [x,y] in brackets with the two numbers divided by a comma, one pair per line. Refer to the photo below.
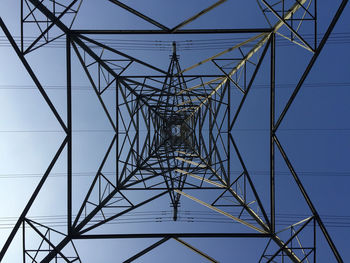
[315,132]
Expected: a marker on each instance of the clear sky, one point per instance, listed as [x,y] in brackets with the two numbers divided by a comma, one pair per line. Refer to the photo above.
[315,132]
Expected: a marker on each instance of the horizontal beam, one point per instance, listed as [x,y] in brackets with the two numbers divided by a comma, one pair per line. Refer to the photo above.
[170,188]
[163,76]
[164,32]
[181,235]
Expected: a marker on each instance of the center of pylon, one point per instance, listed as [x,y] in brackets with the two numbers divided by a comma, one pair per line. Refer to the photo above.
[175,130]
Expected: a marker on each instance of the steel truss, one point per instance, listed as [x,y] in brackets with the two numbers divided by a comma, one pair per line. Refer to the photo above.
[188,144]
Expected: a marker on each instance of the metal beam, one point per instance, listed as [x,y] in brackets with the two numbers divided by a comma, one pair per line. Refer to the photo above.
[163,32]
[32,74]
[309,202]
[146,250]
[222,212]
[312,62]
[204,255]
[204,11]
[31,200]
[171,235]
[144,17]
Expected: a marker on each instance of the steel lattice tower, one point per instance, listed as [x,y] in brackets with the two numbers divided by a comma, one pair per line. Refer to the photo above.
[188,149]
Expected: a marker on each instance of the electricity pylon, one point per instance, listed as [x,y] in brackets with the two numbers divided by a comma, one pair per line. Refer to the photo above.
[187,150]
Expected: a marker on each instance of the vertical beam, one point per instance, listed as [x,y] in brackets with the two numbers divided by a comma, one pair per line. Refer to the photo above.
[69,135]
[137,109]
[210,131]
[315,25]
[228,137]
[24,241]
[315,238]
[117,131]
[272,124]
[22,34]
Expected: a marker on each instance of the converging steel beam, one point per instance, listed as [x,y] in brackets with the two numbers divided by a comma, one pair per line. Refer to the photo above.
[30,48]
[312,62]
[162,160]
[204,255]
[201,178]
[148,249]
[237,197]
[222,212]
[266,229]
[283,20]
[32,74]
[204,11]
[144,17]
[224,52]
[308,201]
[250,84]
[31,200]
[284,247]
[47,241]
[254,50]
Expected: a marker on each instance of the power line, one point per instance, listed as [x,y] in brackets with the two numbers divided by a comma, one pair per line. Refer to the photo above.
[182,45]
[283,219]
[235,129]
[257,86]
[252,172]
